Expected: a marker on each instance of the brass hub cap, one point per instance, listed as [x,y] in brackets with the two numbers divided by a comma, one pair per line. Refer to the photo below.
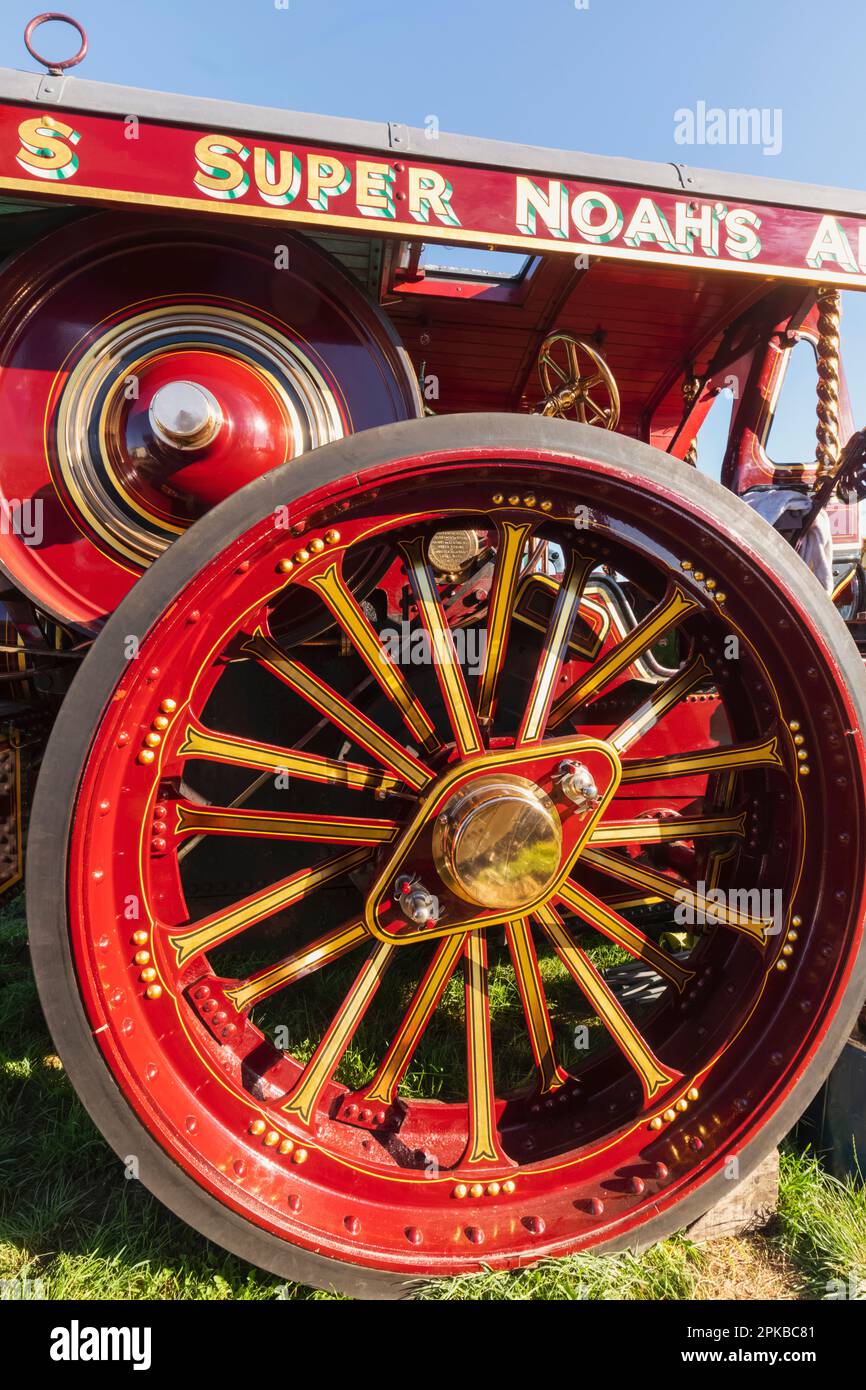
[498,842]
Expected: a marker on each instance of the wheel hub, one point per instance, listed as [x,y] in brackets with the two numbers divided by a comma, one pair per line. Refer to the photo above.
[498,842]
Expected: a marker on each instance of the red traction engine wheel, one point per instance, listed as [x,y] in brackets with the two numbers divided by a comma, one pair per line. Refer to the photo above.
[148,369]
[361,952]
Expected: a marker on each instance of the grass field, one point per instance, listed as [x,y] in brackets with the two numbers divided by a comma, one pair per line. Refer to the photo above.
[69,1219]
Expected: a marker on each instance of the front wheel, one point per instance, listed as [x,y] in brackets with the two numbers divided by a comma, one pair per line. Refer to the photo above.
[495,920]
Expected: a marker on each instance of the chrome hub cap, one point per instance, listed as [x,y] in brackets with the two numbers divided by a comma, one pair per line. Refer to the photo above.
[184,416]
[498,842]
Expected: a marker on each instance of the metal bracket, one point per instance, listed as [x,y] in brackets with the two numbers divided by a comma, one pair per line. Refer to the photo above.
[50,88]
[398,135]
[683,175]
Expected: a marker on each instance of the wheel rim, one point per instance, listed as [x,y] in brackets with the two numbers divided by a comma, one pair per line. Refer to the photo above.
[598,1138]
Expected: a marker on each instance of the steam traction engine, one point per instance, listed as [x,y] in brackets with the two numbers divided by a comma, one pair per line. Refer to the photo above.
[449,849]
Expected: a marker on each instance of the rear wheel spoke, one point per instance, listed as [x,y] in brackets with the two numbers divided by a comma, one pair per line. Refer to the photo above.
[667,615]
[656,705]
[363,636]
[449,674]
[525,961]
[731,757]
[338,710]
[242,752]
[484,1147]
[704,909]
[654,1076]
[554,648]
[649,830]
[609,922]
[306,961]
[302,1100]
[283,825]
[383,1087]
[221,926]
[512,538]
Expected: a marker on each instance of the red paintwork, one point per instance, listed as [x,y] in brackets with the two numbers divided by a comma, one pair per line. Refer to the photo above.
[483,204]
[188,1091]
[70,289]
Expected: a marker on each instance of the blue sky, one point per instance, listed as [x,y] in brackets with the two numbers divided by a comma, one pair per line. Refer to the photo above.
[606,78]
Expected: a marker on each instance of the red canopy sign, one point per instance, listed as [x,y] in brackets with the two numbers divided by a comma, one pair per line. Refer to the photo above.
[112,159]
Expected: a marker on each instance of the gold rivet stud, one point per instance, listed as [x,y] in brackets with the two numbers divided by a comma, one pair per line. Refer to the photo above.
[286,566]
[669,1115]
[476,1190]
[513,500]
[146,755]
[272,1138]
[147,975]
[546,505]
[168,706]
[498,499]
[799,739]
[153,740]
[300,1156]
[793,936]
[258,1127]
[139,938]
[711,584]
[332,537]
[508,1186]
[460,1190]
[682,1104]
[317,545]
[787,950]
[794,725]
[655,1122]
[529,499]
[796,921]
[720,597]
[286,1146]
[692,1093]
[142,957]
[301,556]
[685,564]
[493,1189]
[803,770]
[161,721]
[153,991]
[699,574]
[781,965]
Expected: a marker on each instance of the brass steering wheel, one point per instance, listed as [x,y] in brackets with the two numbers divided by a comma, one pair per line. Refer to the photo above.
[568,387]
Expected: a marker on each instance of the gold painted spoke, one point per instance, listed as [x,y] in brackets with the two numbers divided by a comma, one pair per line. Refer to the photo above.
[656,705]
[754,926]
[648,830]
[483,1146]
[525,962]
[365,640]
[621,932]
[304,1095]
[345,715]
[323,951]
[512,540]
[383,1087]
[283,825]
[449,673]
[242,752]
[554,647]
[220,926]
[733,757]
[654,1076]
[667,615]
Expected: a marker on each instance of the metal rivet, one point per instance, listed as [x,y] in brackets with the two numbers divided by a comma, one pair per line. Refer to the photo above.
[286,1146]
[300,1156]
[476,1190]
[153,991]
[257,1127]
[285,566]
[272,1138]
[332,537]
[146,756]
[460,1190]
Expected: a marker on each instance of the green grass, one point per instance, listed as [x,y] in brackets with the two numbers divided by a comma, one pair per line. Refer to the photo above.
[68,1217]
